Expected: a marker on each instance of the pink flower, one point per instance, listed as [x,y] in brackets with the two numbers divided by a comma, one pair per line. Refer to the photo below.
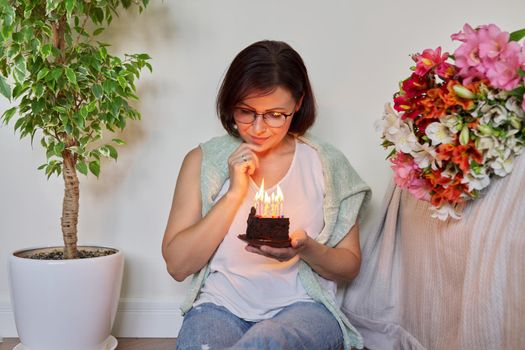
[523,103]
[503,73]
[467,54]
[465,35]
[429,59]
[492,41]
[408,175]
[487,54]
[445,70]
[471,73]
[467,57]
[404,169]
[420,189]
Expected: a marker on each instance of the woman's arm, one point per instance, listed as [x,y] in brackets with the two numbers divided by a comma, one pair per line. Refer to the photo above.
[341,263]
[190,239]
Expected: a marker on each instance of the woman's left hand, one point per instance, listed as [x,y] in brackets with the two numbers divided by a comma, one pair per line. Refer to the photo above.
[299,240]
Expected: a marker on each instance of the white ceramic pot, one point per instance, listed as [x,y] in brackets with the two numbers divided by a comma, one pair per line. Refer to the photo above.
[65,304]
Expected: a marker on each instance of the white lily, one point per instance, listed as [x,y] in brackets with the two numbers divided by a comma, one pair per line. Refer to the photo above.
[451,122]
[495,115]
[445,212]
[425,155]
[439,133]
[476,181]
[502,167]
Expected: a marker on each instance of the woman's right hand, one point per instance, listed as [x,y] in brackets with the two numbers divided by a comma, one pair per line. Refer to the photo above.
[242,163]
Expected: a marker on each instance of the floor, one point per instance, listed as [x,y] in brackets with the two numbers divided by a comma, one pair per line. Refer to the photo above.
[123,344]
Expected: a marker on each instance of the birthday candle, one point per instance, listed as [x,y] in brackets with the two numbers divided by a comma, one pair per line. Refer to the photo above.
[280,201]
[266,211]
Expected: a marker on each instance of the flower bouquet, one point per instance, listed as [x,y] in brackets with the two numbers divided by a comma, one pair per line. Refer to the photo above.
[458,120]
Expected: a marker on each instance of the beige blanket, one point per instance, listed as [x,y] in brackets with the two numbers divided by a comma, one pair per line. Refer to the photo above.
[459,284]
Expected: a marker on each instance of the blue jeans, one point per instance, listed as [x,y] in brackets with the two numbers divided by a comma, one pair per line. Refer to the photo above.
[303,325]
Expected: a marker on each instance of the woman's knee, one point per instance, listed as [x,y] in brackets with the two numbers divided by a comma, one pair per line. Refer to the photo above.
[209,326]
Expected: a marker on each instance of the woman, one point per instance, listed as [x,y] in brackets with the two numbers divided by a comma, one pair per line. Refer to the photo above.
[244,296]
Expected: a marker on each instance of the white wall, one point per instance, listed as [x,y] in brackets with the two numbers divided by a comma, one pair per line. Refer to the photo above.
[356,53]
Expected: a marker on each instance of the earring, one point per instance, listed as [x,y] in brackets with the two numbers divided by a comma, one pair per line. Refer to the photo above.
[235,126]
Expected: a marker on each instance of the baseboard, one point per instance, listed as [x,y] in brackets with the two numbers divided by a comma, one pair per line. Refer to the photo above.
[7,322]
[145,318]
[141,318]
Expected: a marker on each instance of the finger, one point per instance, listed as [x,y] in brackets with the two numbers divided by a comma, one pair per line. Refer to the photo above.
[255,159]
[253,249]
[249,161]
[254,147]
[247,149]
[298,239]
[248,165]
[281,254]
[297,243]
[249,155]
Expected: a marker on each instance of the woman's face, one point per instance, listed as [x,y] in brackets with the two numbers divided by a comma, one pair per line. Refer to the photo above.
[258,132]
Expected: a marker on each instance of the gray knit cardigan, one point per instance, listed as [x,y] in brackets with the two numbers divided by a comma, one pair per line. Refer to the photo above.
[345,196]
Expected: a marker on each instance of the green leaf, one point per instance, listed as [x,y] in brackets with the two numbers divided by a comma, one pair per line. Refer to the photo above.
[518,92]
[91,106]
[39,90]
[97,91]
[50,153]
[55,74]
[517,35]
[94,167]
[5,89]
[19,123]
[60,110]
[103,52]
[59,147]
[20,70]
[27,12]
[19,90]
[112,152]
[46,50]
[70,74]
[82,168]
[119,142]
[98,31]
[42,73]
[104,151]
[122,82]
[144,56]
[109,86]
[84,111]
[51,5]
[8,114]
[70,5]
[37,106]
[81,120]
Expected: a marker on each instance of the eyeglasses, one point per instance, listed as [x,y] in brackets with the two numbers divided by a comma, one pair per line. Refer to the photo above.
[272,119]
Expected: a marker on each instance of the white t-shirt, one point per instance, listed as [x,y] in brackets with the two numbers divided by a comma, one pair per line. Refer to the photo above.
[254,287]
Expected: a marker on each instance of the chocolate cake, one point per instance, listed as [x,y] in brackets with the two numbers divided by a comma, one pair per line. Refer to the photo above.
[268,229]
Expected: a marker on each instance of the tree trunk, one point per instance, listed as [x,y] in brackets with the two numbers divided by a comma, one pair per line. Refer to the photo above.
[70,205]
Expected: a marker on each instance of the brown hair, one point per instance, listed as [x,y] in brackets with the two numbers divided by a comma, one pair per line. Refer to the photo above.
[262,67]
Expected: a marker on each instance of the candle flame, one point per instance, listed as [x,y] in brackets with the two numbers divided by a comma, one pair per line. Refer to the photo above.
[280,196]
[267,205]
[261,190]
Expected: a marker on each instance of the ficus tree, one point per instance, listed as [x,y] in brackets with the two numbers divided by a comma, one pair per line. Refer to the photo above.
[66,89]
